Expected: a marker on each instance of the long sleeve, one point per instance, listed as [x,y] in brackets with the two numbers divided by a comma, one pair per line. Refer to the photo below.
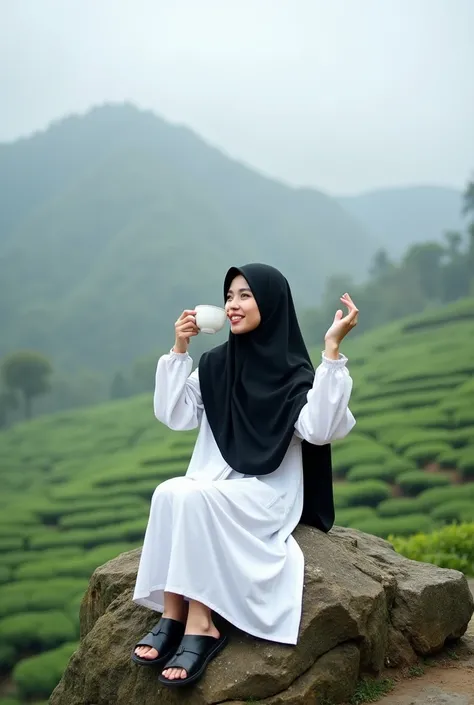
[177,400]
[326,416]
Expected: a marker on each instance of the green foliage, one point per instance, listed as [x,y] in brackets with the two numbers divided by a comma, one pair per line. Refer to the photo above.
[421,437]
[433,497]
[423,453]
[428,272]
[466,462]
[38,675]
[369,690]
[457,510]
[368,493]
[100,517]
[368,453]
[26,372]
[415,481]
[398,525]
[400,506]
[346,517]
[11,543]
[23,596]
[126,531]
[8,656]
[33,630]
[449,458]
[79,566]
[449,547]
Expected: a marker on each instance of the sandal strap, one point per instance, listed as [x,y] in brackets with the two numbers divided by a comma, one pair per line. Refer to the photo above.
[163,631]
[192,652]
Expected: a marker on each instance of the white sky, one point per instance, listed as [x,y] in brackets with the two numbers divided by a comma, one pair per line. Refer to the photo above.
[343,95]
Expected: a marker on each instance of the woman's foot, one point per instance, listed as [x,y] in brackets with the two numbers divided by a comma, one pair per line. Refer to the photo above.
[197,625]
[178,612]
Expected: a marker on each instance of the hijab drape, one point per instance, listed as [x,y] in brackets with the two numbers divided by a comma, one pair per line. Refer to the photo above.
[254,387]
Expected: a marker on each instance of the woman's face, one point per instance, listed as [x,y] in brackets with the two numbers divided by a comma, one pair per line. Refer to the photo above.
[241,307]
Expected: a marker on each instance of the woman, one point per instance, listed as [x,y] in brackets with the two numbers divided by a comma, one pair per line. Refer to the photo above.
[220,538]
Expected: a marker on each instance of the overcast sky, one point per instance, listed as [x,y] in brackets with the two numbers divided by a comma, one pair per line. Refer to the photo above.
[343,95]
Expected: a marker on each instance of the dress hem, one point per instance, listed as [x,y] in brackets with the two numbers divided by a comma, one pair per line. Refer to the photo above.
[145,602]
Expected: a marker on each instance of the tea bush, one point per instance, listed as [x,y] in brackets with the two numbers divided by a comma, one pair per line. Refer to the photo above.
[81,566]
[37,630]
[23,596]
[39,675]
[369,493]
[399,525]
[423,453]
[371,472]
[466,462]
[437,495]
[449,547]
[400,506]
[415,481]
[458,510]
[345,517]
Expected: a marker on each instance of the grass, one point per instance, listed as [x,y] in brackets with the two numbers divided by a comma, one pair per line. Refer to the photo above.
[369,691]
[76,486]
[416,671]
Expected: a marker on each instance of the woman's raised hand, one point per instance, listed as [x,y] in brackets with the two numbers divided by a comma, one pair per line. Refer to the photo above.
[341,324]
[185,327]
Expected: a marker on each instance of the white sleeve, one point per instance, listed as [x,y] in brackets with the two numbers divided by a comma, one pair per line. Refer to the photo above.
[326,416]
[177,400]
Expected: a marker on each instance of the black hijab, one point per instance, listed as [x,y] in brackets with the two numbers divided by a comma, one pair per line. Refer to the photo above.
[254,387]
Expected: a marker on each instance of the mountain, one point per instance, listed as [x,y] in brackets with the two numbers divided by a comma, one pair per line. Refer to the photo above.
[111,223]
[76,486]
[398,218]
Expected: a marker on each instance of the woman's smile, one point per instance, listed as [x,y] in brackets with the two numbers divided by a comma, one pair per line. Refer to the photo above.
[235,318]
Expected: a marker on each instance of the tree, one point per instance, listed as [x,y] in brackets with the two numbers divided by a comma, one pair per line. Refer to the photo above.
[28,373]
[426,261]
[468,197]
[381,265]
[454,242]
[119,387]
[8,402]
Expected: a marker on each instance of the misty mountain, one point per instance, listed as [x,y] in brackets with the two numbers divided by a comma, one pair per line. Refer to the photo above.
[113,222]
[397,218]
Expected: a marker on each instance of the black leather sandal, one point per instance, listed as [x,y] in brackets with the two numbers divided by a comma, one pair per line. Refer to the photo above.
[165,637]
[193,655]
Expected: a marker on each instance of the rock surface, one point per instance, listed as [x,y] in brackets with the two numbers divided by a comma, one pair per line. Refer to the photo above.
[364,607]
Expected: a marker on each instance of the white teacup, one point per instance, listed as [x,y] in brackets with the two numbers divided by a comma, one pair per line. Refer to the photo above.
[210,319]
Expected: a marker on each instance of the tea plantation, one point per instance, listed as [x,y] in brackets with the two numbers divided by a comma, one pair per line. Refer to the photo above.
[76,486]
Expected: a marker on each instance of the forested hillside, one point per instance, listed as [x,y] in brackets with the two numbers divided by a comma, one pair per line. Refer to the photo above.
[112,223]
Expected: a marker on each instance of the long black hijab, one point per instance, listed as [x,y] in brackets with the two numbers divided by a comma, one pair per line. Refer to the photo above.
[254,387]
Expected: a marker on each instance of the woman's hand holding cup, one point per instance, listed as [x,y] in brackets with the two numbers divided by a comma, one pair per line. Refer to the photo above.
[185,327]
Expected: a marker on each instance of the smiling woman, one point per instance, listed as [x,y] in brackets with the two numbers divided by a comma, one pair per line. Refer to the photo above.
[220,539]
[241,307]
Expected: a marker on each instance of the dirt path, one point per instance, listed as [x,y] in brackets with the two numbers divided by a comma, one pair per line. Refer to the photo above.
[446,680]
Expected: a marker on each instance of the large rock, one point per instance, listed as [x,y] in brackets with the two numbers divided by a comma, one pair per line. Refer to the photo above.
[364,607]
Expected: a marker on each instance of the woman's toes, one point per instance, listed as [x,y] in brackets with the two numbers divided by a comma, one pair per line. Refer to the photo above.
[174,673]
[146,652]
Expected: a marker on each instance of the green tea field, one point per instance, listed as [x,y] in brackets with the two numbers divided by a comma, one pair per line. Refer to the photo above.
[76,486]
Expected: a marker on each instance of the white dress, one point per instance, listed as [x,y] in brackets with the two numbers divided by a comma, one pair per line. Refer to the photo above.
[223,538]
